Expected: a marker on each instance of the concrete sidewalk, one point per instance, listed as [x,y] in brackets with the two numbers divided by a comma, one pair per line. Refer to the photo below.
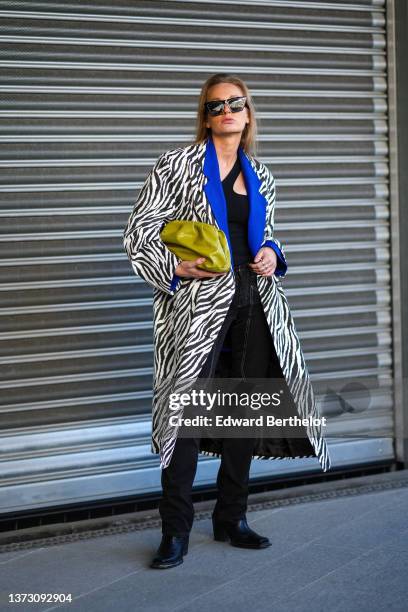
[342,553]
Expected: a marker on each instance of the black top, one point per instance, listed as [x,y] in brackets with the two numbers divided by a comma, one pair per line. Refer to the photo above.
[237,213]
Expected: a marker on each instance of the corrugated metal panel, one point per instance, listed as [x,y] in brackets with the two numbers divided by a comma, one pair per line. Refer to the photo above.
[91,94]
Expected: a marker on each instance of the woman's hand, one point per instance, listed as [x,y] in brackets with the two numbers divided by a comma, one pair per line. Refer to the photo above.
[189,269]
[265,262]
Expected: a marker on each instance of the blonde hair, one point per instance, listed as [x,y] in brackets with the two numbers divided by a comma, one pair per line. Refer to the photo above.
[248,137]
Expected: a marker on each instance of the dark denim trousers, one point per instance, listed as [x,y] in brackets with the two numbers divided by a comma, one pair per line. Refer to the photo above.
[251,352]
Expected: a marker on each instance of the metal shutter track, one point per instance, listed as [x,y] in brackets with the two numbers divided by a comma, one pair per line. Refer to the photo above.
[91,94]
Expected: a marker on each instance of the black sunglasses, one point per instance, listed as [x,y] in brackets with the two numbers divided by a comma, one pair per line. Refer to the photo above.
[216,107]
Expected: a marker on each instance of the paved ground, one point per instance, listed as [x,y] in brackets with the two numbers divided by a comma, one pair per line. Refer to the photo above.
[345,554]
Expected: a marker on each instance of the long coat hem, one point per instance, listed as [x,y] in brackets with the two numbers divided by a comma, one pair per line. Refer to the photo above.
[263,457]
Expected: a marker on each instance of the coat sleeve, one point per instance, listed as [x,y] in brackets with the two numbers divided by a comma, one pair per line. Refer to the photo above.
[269,239]
[155,204]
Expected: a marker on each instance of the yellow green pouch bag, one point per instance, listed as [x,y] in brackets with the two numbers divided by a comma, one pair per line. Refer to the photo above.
[192,239]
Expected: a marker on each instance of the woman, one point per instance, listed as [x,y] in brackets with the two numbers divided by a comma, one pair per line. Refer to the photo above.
[236,323]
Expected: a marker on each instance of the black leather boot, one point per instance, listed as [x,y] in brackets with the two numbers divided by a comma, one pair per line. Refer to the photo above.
[239,534]
[170,552]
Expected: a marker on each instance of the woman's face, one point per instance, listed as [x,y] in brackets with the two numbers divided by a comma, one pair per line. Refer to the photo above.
[237,121]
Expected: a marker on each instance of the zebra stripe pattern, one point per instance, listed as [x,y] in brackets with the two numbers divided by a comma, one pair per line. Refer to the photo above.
[187,320]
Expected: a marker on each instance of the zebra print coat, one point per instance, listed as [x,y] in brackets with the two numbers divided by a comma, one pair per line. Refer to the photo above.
[188,312]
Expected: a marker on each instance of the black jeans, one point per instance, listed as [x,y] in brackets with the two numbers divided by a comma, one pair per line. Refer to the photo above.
[251,353]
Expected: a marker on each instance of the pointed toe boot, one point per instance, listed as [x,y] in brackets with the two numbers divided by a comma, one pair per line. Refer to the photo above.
[238,533]
[170,552]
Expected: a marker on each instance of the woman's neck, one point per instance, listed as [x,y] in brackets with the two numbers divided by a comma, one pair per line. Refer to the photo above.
[227,149]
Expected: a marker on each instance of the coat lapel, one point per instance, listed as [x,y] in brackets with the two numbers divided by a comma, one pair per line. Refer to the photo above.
[215,194]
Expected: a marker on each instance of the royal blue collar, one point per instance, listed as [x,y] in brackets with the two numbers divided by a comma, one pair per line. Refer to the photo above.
[215,195]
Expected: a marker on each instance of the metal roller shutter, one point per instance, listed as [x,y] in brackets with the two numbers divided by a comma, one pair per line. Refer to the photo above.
[92,92]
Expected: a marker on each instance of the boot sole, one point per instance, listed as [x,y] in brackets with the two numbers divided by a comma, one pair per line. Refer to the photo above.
[221,536]
[255,546]
[165,566]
